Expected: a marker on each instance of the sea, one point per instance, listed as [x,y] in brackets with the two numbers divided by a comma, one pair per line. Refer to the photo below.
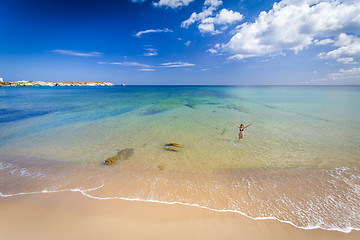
[299,161]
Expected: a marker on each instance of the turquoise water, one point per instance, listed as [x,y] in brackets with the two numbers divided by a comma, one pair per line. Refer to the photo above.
[299,161]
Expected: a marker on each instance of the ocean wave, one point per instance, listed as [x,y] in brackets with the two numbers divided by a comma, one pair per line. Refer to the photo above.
[24,172]
[87,193]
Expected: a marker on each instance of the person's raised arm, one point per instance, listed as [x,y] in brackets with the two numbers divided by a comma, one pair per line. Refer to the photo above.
[236,124]
[248,126]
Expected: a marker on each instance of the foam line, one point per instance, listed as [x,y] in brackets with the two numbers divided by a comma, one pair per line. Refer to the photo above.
[50,191]
[86,194]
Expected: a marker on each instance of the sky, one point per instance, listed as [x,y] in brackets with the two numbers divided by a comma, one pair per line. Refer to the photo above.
[181,42]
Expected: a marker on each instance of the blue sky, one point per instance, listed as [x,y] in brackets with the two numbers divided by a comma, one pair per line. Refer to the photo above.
[181,41]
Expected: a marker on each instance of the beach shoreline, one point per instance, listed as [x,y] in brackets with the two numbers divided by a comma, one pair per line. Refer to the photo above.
[71,215]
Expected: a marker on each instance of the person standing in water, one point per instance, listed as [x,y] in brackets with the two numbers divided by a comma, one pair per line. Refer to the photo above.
[241,128]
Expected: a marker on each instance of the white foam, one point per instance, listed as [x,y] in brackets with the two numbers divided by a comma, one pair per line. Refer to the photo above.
[85,193]
[23,172]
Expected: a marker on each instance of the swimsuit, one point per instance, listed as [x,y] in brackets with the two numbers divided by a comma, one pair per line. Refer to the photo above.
[241,132]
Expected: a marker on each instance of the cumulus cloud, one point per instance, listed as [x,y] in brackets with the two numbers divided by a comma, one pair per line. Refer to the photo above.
[209,7]
[294,25]
[177,64]
[78,54]
[207,23]
[172,3]
[139,34]
[349,47]
[226,17]
[208,27]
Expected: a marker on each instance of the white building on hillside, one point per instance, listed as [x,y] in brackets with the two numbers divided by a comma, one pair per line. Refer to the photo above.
[1,80]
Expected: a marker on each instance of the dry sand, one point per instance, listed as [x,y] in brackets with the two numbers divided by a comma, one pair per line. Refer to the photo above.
[70,215]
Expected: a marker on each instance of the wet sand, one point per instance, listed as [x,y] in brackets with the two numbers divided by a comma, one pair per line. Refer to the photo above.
[70,215]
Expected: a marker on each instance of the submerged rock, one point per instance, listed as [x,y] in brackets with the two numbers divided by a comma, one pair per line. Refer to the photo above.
[224,131]
[175,147]
[189,105]
[122,155]
[152,111]
[111,160]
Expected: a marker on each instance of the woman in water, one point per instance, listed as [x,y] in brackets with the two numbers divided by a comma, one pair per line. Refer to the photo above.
[241,128]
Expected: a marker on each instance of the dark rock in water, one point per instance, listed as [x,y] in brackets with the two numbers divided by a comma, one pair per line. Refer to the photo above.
[152,112]
[189,105]
[122,155]
[126,153]
[237,108]
[111,160]
[175,147]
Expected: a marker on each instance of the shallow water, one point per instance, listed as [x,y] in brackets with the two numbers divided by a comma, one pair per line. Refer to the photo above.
[298,163]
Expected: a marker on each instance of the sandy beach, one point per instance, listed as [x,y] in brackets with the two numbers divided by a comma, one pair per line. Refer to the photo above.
[70,215]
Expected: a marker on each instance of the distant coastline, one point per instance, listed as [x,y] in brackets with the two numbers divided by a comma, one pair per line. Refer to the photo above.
[51,84]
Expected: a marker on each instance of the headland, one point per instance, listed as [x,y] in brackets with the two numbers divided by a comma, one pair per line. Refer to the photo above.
[24,83]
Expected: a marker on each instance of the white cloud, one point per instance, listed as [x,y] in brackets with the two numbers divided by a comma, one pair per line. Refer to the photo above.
[132,64]
[343,76]
[346,60]
[207,27]
[150,52]
[344,39]
[294,25]
[211,50]
[207,23]
[216,48]
[139,34]
[177,64]
[172,3]
[213,3]
[240,56]
[209,7]
[346,74]
[349,47]
[225,17]
[79,54]
[323,41]
[146,69]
